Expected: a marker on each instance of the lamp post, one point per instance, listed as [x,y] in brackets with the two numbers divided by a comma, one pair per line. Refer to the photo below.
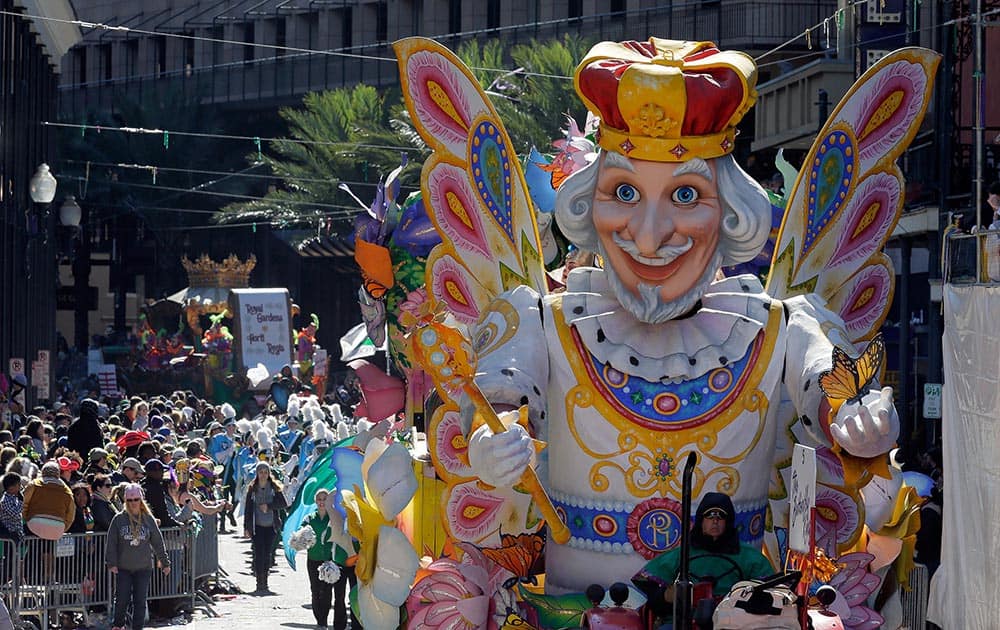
[42,185]
[42,189]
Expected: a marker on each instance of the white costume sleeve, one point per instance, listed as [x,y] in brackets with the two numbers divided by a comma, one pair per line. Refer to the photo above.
[813,330]
[509,341]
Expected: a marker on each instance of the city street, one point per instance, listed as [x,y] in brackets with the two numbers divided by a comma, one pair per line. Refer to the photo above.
[286,607]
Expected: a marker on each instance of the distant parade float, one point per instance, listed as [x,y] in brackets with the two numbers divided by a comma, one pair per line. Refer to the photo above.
[208,335]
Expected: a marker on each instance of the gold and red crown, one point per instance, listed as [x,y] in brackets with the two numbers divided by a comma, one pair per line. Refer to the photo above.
[666,100]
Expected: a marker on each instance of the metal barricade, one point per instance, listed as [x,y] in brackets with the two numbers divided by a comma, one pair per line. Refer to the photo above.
[206,547]
[43,578]
[65,575]
[179,542]
[8,571]
[914,601]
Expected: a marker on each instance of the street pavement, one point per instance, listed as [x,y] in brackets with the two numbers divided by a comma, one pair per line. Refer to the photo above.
[287,606]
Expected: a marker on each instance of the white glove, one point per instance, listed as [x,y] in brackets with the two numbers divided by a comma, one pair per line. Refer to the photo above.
[869,428]
[499,459]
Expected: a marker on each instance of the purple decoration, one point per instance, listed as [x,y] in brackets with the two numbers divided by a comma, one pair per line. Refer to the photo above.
[415,232]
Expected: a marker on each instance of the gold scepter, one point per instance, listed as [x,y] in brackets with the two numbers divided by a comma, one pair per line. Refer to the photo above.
[445,354]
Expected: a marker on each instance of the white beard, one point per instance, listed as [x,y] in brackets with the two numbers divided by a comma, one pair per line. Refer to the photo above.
[648,306]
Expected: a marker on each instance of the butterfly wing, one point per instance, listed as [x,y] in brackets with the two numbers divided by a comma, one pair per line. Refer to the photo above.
[840,382]
[472,184]
[849,194]
[869,364]
[849,378]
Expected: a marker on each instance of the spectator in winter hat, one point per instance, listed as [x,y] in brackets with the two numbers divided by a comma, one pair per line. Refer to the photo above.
[49,508]
[85,433]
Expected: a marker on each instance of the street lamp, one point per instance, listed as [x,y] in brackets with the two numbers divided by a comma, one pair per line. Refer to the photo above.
[42,189]
[68,230]
[42,185]
[70,212]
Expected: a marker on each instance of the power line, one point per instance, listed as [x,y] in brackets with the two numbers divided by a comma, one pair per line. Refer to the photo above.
[166,133]
[344,211]
[151,168]
[274,47]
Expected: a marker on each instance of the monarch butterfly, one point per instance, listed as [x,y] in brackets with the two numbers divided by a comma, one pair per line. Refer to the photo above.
[849,378]
[518,554]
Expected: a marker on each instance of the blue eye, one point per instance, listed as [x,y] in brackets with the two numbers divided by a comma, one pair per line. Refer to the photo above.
[685,195]
[627,193]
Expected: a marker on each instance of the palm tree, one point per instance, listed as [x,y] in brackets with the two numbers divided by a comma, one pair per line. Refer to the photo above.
[356,135]
[346,136]
[533,98]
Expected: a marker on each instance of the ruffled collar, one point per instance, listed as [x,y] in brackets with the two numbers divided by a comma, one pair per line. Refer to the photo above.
[731,314]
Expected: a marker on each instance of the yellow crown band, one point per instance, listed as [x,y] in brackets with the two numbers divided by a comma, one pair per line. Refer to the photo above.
[667,149]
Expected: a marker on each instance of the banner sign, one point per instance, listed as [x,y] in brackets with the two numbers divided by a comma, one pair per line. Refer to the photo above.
[263,322]
[107,376]
[802,498]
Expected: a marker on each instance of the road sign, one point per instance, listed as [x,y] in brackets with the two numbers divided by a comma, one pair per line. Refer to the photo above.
[15,366]
[932,401]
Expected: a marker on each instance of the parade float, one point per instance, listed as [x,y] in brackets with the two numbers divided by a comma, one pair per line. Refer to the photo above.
[570,432]
[206,336]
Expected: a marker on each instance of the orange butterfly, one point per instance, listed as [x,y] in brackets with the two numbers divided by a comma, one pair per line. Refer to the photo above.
[518,554]
[376,267]
[849,378]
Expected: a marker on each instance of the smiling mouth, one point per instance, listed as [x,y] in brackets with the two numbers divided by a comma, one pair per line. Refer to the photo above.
[653,269]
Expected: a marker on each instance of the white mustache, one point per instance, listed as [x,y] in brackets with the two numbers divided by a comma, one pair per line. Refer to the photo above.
[665,254]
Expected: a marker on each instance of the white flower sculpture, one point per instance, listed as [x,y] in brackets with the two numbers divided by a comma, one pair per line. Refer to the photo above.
[387,562]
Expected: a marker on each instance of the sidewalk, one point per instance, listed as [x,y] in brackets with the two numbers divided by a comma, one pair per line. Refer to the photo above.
[287,606]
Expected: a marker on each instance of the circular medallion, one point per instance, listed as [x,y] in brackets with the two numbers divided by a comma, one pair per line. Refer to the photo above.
[756,525]
[605,526]
[667,403]
[613,377]
[654,526]
[720,379]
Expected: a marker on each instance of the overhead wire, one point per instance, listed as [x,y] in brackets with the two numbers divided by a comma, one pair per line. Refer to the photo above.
[807,33]
[344,211]
[168,169]
[222,136]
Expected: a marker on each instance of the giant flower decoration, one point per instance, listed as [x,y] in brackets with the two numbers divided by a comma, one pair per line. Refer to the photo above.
[839,519]
[855,584]
[461,595]
[386,562]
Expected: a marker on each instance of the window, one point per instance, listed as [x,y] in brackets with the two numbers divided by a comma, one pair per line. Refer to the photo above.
[574,9]
[617,6]
[131,50]
[493,14]
[381,22]
[280,36]
[106,69]
[454,16]
[218,34]
[347,28]
[159,54]
[80,63]
[188,49]
[249,36]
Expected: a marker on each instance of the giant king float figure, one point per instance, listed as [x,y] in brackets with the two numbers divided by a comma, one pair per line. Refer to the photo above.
[655,354]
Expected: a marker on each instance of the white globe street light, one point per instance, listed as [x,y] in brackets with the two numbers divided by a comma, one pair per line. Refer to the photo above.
[43,185]
[70,212]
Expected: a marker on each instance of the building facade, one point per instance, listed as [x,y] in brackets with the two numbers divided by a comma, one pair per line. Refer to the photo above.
[308,45]
[30,52]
